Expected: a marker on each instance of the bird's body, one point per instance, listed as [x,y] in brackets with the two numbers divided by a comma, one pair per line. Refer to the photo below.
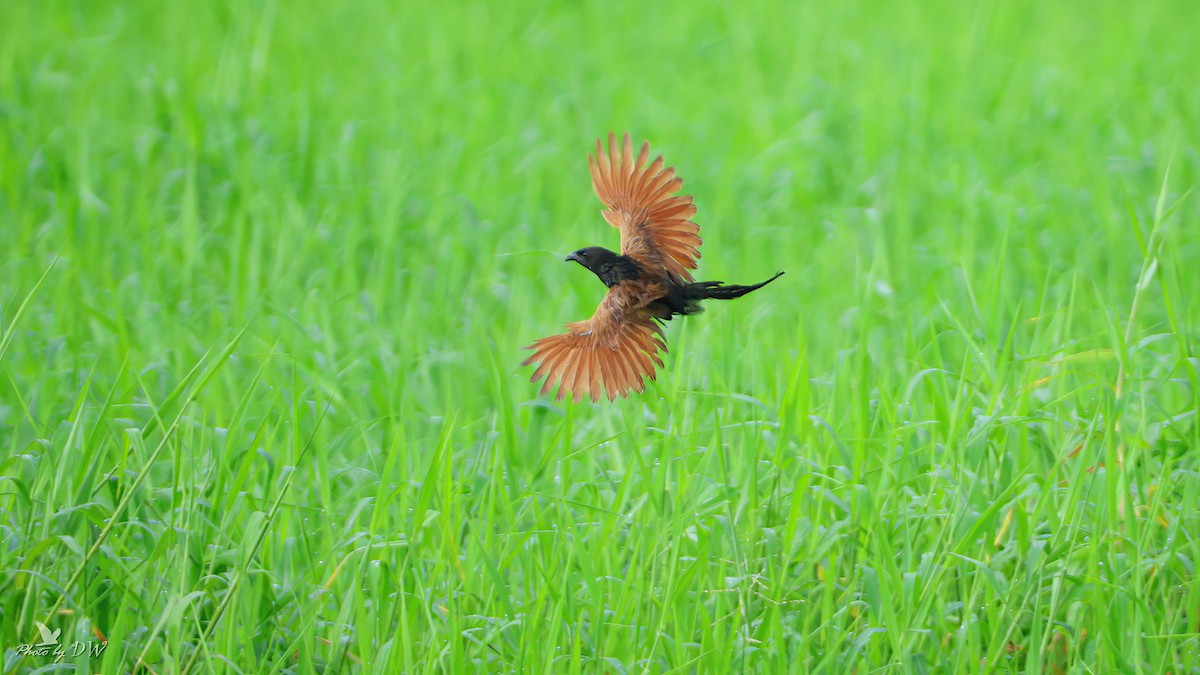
[649,281]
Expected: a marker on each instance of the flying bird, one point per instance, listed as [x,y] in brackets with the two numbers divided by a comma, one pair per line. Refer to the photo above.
[648,282]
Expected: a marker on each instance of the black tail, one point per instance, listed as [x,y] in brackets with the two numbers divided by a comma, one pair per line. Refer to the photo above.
[705,290]
[687,301]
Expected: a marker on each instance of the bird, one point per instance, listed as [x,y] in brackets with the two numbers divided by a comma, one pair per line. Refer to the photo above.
[649,281]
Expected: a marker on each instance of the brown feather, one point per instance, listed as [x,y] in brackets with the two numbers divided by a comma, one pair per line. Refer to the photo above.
[542,370]
[642,203]
[610,383]
[664,184]
[613,161]
[644,367]
[612,374]
[580,377]
[570,369]
[594,386]
[628,379]
[626,181]
[633,370]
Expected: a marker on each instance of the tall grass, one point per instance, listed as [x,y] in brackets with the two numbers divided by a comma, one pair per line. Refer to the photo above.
[266,269]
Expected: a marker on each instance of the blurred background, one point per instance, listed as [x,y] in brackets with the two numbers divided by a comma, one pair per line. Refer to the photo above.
[266,270]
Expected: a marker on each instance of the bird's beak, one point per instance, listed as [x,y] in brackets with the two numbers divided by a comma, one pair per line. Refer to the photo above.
[570,257]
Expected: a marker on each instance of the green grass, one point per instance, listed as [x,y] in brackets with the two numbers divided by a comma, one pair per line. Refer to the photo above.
[266,270]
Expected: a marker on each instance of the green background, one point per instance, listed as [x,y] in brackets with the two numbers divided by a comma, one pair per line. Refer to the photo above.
[266,270]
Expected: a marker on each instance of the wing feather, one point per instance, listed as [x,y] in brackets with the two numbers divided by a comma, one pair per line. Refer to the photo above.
[611,387]
[594,386]
[655,223]
[611,353]
[644,364]
[626,373]
[626,164]
[582,377]
[569,373]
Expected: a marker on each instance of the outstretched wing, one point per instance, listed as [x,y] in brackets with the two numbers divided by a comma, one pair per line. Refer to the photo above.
[655,223]
[609,354]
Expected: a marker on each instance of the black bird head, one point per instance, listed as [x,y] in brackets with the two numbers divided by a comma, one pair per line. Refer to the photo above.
[609,266]
[592,257]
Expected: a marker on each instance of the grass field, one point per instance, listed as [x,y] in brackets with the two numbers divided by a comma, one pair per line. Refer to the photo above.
[266,270]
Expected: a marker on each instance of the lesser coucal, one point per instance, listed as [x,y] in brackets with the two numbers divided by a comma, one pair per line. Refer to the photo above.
[648,282]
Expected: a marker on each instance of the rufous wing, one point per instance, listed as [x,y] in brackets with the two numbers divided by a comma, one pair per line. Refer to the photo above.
[610,355]
[655,223]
